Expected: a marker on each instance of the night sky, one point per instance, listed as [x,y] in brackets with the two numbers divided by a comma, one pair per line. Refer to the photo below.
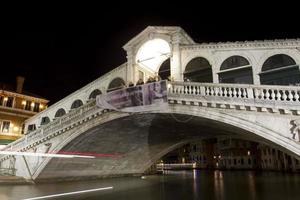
[58,51]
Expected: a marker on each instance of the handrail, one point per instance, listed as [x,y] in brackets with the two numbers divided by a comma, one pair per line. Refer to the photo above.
[241,91]
[54,125]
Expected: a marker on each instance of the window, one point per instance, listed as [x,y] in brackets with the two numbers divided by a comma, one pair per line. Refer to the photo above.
[36,107]
[28,105]
[5,126]
[9,102]
[31,127]
[1,100]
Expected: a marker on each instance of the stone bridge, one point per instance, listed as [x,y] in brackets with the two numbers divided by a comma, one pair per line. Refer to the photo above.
[134,141]
[239,89]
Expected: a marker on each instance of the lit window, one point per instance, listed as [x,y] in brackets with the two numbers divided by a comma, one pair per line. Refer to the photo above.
[27,106]
[1,100]
[36,107]
[9,101]
[5,126]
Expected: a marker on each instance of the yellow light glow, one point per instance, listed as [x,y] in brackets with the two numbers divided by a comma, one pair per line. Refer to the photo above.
[5,99]
[41,106]
[32,104]
[23,102]
[248,153]
[152,54]
[219,156]
[16,129]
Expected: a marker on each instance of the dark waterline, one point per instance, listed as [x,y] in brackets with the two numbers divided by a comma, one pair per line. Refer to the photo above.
[181,185]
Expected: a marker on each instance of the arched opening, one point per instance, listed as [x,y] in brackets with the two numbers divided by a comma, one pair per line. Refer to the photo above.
[60,112]
[165,70]
[198,70]
[152,54]
[45,120]
[76,104]
[236,69]
[116,84]
[94,94]
[280,69]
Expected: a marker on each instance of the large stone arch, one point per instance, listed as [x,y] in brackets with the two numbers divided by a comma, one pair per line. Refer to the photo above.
[195,54]
[198,70]
[280,69]
[138,145]
[231,71]
[293,53]
[157,59]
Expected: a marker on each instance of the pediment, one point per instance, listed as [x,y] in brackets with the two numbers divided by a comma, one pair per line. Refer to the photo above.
[151,32]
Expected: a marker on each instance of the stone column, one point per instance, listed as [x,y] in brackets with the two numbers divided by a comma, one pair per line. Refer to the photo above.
[130,72]
[256,79]
[176,73]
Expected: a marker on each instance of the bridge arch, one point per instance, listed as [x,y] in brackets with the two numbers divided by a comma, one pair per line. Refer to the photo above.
[236,69]
[198,69]
[151,54]
[59,113]
[94,94]
[76,104]
[280,69]
[115,84]
[143,131]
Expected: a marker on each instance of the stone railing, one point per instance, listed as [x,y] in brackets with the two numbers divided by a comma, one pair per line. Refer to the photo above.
[58,124]
[277,98]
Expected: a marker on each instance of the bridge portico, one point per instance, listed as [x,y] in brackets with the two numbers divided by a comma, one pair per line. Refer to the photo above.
[221,106]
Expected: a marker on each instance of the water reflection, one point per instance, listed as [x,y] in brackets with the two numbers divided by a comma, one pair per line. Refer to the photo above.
[218,185]
[193,184]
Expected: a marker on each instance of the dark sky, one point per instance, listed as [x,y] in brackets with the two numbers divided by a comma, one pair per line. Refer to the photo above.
[60,51]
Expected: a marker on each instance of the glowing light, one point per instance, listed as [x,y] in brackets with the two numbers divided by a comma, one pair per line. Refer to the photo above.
[169,85]
[32,104]
[69,193]
[5,99]
[23,102]
[215,157]
[152,54]
[219,156]
[89,154]
[41,106]
[248,153]
[15,153]
[16,129]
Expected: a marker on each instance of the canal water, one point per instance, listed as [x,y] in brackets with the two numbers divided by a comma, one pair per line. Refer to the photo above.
[173,185]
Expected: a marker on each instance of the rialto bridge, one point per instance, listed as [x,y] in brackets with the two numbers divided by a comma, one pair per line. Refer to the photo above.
[240,89]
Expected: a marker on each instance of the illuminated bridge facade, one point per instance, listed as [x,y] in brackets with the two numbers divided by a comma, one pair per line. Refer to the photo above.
[241,89]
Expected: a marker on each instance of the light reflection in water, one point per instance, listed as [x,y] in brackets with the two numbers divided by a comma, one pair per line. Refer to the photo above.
[251,182]
[195,187]
[218,185]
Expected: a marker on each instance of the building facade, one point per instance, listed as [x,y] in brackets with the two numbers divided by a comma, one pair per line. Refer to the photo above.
[15,107]
[273,159]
